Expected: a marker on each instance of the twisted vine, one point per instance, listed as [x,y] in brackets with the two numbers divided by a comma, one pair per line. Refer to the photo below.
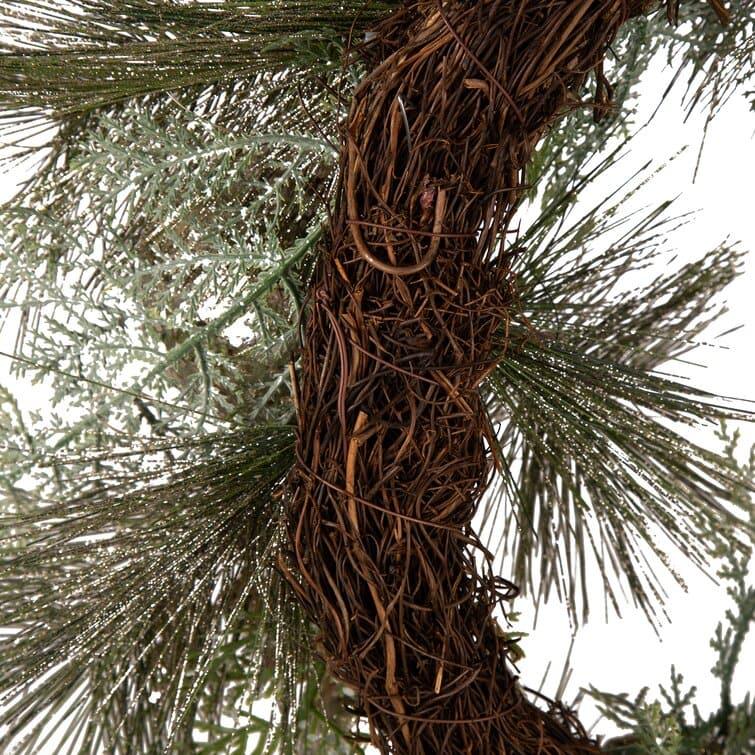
[408,315]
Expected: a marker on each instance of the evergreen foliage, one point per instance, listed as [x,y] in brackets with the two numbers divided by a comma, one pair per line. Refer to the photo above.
[674,725]
[181,159]
[590,424]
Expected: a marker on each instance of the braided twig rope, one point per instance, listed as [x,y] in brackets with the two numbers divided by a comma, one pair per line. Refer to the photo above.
[409,310]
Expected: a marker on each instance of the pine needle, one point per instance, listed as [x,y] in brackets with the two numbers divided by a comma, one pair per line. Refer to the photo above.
[116,605]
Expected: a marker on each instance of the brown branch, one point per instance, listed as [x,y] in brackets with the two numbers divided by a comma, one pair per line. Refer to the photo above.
[410,305]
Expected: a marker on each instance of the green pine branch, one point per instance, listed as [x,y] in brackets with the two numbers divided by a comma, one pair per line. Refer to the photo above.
[80,56]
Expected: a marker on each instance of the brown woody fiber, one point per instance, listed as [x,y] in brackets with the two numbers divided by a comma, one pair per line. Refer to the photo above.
[408,312]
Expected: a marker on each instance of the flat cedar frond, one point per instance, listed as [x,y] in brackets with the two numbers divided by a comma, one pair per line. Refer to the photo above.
[117,607]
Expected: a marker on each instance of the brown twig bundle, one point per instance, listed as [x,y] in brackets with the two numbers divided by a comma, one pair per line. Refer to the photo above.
[409,310]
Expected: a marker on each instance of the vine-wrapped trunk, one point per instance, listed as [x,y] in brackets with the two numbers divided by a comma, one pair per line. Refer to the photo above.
[408,314]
